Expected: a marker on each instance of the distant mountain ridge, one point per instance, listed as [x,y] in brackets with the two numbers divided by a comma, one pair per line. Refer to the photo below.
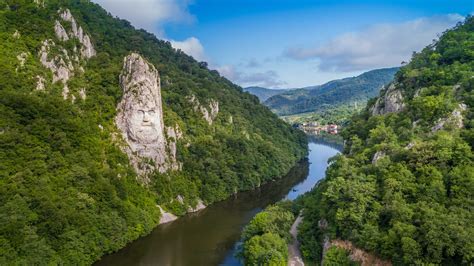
[333,93]
[264,93]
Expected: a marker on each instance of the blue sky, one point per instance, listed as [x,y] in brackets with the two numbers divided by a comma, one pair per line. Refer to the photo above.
[294,43]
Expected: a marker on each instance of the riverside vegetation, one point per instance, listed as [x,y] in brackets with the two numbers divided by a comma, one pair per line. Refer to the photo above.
[68,194]
[404,187]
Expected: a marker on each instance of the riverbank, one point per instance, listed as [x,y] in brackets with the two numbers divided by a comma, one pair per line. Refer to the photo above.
[211,236]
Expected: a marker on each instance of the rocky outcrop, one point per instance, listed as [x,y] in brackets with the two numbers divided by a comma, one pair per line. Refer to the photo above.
[455,119]
[40,3]
[377,156]
[87,49]
[22,59]
[199,206]
[140,119]
[209,114]
[60,31]
[40,83]
[356,254]
[82,93]
[390,102]
[166,217]
[62,64]
[16,34]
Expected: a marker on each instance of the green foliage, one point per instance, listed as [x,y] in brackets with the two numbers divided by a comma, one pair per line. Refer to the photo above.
[337,257]
[265,238]
[67,192]
[414,204]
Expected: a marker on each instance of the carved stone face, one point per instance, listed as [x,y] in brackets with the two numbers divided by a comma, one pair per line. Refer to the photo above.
[143,122]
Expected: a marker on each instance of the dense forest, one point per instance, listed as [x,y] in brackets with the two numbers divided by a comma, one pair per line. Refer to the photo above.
[347,91]
[265,239]
[403,189]
[68,194]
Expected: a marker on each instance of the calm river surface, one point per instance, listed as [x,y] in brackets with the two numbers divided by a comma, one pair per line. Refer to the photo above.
[211,236]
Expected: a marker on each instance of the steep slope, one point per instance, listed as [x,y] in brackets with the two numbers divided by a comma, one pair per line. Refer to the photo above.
[404,187]
[334,93]
[263,93]
[103,126]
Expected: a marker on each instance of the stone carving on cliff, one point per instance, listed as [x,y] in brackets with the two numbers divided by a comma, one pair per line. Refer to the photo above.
[140,119]
[208,114]
[390,102]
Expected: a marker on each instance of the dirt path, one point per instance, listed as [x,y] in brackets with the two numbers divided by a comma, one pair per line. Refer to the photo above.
[294,254]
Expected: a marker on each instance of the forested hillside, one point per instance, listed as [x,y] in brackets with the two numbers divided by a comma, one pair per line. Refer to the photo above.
[332,94]
[68,191]
[404,187]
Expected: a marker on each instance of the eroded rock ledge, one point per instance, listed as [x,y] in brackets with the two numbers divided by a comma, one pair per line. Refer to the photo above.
[64,64]
[390,102]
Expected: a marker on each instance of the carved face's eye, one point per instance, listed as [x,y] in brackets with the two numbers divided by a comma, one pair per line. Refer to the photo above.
[151,112]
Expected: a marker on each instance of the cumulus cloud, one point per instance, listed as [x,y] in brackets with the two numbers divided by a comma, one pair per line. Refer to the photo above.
[269,79]
[191,46]
[381,45]
[149,14]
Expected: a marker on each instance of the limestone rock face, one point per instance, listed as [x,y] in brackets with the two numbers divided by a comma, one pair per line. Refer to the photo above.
[60,31]
[200,206]
[208,114]
[377,156]
[455,119]
[140,119]
[60,65]
[87,49]
[390,102]
[166,217]
[40,83]
[64,64]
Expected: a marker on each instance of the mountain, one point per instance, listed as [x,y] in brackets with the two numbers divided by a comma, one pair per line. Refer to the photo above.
[334,93]
[106,131]
[403,189]
[263,93]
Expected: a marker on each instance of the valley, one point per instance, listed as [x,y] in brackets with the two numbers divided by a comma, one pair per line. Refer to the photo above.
[158,141]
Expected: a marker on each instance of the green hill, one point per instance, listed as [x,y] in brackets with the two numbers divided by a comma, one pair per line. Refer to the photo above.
[69,187]
[263,93]
[334,93]
[404,187]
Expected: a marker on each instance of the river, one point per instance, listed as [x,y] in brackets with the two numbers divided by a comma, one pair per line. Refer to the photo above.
[211,236]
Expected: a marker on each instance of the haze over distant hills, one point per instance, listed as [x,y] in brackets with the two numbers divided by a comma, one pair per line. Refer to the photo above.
[264,93]
[333,93]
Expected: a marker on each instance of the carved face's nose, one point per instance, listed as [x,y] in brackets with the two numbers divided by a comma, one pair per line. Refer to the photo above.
[146,117]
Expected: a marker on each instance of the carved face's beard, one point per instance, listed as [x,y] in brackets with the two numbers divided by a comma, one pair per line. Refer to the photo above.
[143,126]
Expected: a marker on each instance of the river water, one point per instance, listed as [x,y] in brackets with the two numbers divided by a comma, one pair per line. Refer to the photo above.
[211,236]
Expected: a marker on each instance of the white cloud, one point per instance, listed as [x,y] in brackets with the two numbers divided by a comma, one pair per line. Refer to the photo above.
[149,14]
[381,45]
[191,46]
[268,79]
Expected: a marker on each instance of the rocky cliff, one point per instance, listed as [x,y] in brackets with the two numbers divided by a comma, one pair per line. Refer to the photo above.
[140,119]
